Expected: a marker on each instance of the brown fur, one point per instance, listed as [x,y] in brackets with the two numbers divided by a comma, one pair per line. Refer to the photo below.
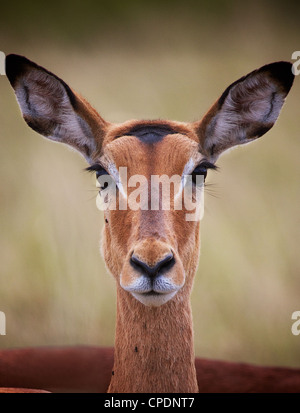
[89,369]
[154,345]
[161,361]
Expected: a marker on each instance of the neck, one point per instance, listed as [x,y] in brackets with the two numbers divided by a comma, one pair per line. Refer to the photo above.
[153,347]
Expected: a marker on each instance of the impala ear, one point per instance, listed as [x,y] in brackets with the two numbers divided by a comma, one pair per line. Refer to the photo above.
[52,109]
[246,110]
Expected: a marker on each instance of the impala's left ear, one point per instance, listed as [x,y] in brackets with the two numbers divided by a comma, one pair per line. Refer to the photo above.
[246,110]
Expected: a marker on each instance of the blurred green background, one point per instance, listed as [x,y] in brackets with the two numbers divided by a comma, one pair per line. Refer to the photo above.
[158,59]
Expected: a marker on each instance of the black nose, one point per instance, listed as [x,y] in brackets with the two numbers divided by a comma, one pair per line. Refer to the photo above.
[160,267]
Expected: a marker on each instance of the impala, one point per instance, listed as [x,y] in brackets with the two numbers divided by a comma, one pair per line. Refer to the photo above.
[152,253]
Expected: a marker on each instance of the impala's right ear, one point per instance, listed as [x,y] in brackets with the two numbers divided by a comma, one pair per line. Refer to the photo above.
[52,109]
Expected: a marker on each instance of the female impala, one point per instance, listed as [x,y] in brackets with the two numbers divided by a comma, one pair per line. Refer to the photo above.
[153,254]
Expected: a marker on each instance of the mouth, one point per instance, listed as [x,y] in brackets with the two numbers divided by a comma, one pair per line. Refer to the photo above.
[153,298]
[152,292]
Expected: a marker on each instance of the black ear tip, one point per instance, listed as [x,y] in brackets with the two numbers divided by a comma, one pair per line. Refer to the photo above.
[15,65]
[282,72]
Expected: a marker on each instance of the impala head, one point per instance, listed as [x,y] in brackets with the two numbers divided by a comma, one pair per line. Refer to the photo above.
[151,251]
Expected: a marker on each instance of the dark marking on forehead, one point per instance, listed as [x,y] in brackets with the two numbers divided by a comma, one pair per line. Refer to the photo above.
[151,133]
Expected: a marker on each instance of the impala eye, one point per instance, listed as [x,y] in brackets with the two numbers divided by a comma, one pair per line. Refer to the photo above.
[101,172]
[102,176]
[201,170]
[103,179]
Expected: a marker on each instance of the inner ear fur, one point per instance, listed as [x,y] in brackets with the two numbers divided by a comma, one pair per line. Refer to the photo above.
[52,108]
[246,110]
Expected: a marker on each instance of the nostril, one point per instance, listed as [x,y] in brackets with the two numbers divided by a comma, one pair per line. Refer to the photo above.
[163,265]
[139,265]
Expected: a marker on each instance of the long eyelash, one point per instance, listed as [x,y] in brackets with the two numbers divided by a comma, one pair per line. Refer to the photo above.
[208,165]
[94,168]
[212,190]
[96,192]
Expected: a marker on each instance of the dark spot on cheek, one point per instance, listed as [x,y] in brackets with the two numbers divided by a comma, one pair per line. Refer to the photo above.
[135,349]
[106,220]
[112,373]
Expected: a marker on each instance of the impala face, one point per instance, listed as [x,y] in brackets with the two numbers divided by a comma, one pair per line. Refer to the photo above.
[152,252]
[149,248]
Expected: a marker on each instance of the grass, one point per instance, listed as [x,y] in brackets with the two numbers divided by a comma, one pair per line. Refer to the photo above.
[54,286]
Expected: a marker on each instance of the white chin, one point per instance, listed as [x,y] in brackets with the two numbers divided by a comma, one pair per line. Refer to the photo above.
[154,300]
